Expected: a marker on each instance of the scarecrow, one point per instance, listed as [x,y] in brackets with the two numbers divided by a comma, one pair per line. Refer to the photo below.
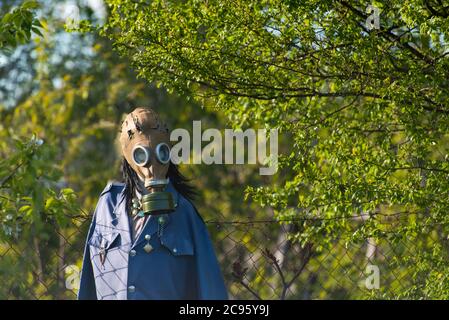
[146,239]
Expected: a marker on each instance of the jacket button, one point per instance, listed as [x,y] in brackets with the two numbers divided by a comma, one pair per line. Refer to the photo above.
[132,253]
[131,289]
[175,250]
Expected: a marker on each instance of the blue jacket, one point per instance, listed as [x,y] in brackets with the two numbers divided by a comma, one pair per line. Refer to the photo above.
[182,264]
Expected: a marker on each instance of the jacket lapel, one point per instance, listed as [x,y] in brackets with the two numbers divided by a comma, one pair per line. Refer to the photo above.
[123,226]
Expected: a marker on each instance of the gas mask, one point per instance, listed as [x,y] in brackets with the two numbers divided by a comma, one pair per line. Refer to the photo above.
[145,141]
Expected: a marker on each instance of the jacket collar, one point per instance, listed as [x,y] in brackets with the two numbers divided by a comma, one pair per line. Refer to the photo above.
[151,225]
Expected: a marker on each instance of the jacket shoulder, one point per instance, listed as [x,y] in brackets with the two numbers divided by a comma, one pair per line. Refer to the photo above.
[111,193]
[109,198]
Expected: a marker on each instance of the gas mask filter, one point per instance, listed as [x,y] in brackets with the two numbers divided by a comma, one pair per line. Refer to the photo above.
[144,140]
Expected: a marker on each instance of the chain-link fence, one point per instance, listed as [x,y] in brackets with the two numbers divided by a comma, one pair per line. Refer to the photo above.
[263,263]
[258,258]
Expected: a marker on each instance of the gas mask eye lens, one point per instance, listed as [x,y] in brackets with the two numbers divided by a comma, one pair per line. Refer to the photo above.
[141,155]
[163,153]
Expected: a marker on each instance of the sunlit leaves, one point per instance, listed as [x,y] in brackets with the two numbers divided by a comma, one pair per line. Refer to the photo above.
[364,113]
[17,26]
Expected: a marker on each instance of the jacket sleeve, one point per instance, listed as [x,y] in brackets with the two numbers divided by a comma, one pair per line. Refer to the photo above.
[87,289]
[210,284]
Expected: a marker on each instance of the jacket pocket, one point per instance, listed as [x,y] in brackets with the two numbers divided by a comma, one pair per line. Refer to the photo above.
[101,246]
[178,245]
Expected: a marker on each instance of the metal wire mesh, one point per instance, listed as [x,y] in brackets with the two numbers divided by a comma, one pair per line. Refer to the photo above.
[258,261]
